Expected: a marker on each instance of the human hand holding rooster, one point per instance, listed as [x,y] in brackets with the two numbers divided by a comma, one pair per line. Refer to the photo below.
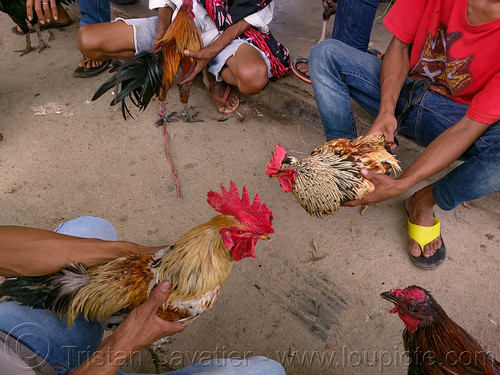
[385,123]
[385,187]
[141,328]
[205,55]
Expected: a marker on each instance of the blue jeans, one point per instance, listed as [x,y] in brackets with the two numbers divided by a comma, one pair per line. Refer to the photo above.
[339,73]
[65,348]
[94,11]
[354,21]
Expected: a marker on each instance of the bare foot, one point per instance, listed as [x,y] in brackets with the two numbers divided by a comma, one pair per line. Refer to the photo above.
[303,68]
[87,63]
[62,19]
[421,213]
[219,90]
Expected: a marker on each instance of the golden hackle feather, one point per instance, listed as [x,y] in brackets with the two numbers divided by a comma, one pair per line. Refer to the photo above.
[181,35]
[196,266]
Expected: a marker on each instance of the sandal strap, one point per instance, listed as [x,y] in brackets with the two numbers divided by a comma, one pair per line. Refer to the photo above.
[422,234]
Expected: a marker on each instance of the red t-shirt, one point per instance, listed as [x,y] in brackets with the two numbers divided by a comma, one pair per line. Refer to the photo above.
[448,49]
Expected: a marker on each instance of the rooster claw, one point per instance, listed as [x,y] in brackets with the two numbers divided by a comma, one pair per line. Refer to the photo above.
[191,118]
[166,117]
[188,117]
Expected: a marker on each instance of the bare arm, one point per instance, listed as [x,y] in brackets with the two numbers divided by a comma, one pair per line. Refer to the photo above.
[395,67]
[205,55]
[443,151]
[32,252]
[164,21]
[141,328]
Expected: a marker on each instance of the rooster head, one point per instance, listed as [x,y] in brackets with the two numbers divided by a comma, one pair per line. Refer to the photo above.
[414,305]
[256,220]
[277,168]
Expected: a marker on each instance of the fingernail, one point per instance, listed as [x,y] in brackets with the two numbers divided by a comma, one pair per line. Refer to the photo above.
[42,22]
[55,18]
[165,286]
[30,18]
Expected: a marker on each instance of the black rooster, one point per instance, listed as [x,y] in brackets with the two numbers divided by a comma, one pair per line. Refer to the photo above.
[16,9]
[435,343]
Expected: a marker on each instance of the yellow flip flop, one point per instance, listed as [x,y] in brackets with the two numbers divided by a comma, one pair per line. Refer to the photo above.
[423,235]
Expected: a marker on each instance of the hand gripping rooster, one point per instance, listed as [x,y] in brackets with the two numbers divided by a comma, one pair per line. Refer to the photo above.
[330,176]
[435,343]
[196,265]
[152,73]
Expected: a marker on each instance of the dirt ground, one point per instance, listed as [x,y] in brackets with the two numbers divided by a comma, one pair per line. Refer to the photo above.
[311,298]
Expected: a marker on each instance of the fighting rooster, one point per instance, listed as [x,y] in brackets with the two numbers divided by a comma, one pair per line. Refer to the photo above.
[152,73]
[435,343]
[330,176]
[196,265]
[16,9]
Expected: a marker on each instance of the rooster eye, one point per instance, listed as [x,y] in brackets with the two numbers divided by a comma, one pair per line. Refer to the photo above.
[411,308]
[240,232]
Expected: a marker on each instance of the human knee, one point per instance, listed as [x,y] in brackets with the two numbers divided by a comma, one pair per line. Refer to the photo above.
[252,80]
[326,51]
[87,42]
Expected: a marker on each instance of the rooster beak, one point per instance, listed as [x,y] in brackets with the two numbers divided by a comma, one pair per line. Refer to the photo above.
[389,297]
[271,177]
[267,238]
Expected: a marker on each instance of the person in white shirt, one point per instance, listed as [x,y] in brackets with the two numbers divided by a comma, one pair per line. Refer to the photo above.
[239,48]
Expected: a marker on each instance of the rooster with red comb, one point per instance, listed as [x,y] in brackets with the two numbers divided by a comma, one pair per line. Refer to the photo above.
[331,176]
[196,266]
[435,343]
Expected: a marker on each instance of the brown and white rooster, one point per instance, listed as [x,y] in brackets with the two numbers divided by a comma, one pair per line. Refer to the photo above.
[330,176]
[196,265]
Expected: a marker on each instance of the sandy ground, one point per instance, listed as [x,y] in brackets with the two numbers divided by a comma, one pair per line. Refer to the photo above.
[311,298]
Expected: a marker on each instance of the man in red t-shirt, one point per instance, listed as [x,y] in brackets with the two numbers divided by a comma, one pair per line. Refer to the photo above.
[453,45]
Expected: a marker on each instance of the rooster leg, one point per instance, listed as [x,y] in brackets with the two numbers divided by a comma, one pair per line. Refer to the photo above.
[29,48]
[323,32]
[365,207]
[41,44]
[188,117]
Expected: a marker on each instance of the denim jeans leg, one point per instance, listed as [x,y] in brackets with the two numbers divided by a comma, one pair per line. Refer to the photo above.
[65,348]
[224,366]
[477,177]
[354,21]
[94,11]
[339,72]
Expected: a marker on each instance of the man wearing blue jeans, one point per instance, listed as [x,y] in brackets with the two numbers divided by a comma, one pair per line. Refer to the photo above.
[353,26]
[457,117]
[33,341]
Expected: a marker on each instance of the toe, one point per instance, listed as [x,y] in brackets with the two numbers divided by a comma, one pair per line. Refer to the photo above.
[414,248]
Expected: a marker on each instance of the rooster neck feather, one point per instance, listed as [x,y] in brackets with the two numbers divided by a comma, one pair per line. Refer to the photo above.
[324,181]
[200,261]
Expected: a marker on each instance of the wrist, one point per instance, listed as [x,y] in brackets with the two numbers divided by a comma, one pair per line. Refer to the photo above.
[403,183]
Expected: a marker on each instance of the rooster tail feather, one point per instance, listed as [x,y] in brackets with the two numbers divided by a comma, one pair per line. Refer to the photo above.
[53,291]
[139,78]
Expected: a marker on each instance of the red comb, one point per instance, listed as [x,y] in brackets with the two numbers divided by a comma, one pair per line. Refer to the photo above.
[274,164]
[260,218]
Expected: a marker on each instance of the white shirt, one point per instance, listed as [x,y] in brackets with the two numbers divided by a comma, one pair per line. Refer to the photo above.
[206,26]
